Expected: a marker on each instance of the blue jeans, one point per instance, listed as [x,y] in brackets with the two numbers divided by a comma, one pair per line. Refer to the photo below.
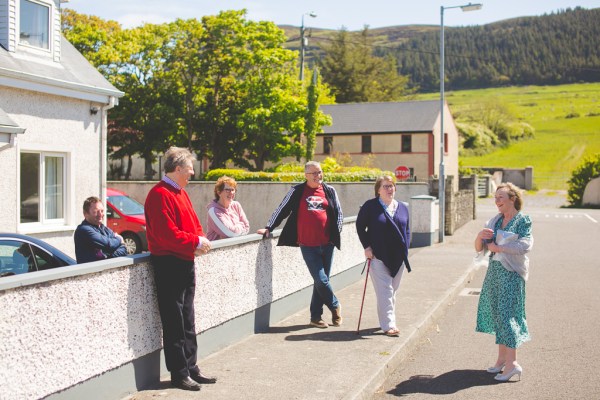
[318,260]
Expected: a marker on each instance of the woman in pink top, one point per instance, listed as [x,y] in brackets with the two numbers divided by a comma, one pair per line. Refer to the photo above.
[225,216]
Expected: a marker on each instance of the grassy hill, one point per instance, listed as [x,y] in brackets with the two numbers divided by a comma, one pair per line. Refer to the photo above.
[566,119]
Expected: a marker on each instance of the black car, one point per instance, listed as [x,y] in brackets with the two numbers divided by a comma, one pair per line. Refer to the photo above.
[20,254]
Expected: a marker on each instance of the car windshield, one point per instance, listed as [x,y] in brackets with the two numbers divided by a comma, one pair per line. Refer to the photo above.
[126,205]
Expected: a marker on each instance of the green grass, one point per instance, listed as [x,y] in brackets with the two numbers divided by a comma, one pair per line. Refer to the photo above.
[560,143]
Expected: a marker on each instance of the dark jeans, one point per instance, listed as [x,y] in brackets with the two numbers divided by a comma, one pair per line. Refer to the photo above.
[318,260]
[175,288]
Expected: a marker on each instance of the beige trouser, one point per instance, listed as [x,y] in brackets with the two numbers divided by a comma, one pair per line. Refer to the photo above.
[385,289]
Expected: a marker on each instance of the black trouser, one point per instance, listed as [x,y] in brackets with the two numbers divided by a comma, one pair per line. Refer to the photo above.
[175,288]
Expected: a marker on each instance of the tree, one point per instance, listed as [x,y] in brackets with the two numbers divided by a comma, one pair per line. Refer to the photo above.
[355,74]
[241,100]
[148,106]
[316,94]
[223,86]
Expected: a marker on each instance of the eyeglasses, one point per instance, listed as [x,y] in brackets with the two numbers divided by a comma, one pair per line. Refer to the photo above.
[388,187]
[229,190]
[316,173]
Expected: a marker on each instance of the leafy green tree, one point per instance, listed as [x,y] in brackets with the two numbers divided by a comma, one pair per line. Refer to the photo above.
[355,74]
[223,86]
[316,94]
[148,106]
[241,100]
[91,36]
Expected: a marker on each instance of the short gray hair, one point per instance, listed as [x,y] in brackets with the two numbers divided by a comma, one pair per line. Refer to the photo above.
[177,157]
[312,164]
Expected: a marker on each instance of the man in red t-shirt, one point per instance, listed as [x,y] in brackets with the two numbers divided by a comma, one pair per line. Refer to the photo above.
[175,237]
[314,223]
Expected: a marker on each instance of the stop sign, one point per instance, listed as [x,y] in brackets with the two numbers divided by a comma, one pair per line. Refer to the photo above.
[402,173]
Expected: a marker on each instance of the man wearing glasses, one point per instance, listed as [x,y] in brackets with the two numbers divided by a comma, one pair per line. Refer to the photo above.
[314,224]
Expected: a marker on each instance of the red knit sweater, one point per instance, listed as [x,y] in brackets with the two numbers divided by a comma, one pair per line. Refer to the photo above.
[172,226]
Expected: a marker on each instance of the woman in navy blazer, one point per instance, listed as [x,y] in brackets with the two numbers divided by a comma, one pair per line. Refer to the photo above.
[383,229]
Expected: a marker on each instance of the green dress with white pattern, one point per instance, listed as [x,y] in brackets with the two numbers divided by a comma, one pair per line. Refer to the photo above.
[501,309]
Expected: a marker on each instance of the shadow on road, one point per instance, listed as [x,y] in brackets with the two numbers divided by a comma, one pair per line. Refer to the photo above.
[448,383]
[331,335]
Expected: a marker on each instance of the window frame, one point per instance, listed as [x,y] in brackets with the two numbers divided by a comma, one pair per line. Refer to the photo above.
[50,32]
[446,136]
[43,220]
[366,145]
[406,142]
[327,144]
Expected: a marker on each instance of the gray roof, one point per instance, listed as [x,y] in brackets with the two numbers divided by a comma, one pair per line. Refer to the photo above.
[7,125]
[389,117]
[73,70]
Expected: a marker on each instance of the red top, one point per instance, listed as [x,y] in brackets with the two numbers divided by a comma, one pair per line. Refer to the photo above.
[172,226]
[313,226]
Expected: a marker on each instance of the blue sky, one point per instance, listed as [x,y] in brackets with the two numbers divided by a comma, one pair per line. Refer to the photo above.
[331,14]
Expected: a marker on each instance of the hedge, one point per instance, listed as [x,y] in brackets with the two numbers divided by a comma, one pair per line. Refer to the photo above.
[352,175]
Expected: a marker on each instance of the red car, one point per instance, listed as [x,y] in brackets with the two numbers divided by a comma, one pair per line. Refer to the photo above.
[126,217]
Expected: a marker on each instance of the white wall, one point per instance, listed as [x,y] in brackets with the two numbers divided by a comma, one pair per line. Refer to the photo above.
[79,322]
[56,124]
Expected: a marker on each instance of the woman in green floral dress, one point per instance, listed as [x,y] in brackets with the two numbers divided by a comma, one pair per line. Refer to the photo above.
[501,309]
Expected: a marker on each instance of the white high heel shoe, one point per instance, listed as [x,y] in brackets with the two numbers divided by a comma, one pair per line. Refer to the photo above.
[495,370]
[518,370]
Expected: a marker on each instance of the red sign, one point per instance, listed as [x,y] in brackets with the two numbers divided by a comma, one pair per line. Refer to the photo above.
[402,173]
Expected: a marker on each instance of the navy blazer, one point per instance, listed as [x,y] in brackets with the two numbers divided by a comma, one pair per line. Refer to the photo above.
[388,240]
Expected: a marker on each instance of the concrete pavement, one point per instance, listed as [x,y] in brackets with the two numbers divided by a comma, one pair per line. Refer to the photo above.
[295,361]
[563,304]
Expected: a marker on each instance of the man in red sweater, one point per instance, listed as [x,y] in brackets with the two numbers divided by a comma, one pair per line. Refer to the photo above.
[175,237]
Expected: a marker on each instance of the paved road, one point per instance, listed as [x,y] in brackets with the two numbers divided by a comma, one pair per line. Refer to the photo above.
[563,306]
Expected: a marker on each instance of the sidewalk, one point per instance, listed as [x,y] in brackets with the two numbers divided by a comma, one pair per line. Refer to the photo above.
[295,361]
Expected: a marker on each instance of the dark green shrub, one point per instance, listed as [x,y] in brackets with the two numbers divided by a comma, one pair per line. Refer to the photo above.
[474,135]
[580,177]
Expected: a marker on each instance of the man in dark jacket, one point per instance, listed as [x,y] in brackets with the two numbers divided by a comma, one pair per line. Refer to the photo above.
[93,240]
[314,224]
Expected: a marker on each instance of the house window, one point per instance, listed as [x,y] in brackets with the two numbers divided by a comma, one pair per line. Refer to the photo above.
[445,143]
[42,187]
[406,143]
[366,144]
[327,144]
[34,24]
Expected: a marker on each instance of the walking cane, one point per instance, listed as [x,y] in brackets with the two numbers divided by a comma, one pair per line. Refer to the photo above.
[368,263]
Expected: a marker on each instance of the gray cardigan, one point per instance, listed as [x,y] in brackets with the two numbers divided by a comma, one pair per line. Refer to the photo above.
[514,255]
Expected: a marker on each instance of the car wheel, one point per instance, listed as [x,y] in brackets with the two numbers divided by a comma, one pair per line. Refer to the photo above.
[132,243]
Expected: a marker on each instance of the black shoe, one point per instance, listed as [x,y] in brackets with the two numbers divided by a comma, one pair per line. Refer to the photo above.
[186,383]
[201,378]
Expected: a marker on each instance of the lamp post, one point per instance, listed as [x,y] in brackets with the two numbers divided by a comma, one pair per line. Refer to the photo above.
[442,177]
[303,43]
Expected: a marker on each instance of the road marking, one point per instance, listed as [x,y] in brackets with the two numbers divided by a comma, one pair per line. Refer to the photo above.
[591,219]
[566,216]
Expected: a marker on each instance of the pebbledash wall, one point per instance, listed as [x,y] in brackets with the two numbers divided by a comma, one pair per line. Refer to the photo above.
[95,332]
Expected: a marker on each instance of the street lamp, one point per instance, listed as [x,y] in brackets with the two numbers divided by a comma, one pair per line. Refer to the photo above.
[303,43]
[442,178]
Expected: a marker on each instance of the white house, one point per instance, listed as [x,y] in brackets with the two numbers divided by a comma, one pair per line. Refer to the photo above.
[53,124]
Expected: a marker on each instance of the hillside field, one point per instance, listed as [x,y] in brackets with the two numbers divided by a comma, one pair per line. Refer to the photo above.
[566,119]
